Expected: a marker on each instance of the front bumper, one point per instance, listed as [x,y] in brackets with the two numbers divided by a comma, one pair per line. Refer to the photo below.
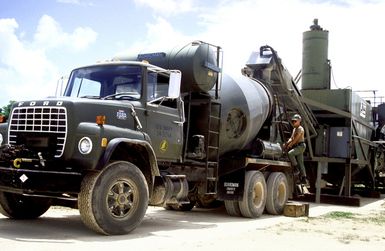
[39,182]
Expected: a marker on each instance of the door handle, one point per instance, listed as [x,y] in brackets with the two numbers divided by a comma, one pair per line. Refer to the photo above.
[178,122]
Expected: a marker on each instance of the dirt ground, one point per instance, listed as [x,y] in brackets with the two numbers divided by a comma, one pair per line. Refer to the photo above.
[352,228]
[328,227]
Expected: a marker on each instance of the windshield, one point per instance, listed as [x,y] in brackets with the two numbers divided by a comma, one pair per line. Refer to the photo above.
[123,81]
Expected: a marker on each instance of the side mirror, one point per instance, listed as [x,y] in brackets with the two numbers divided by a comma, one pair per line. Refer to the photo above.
[174,84]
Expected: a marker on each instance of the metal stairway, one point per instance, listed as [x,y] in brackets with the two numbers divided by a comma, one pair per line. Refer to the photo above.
[286,93]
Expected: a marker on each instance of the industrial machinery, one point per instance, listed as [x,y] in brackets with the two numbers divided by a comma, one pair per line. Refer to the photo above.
[132,132]
[346,152]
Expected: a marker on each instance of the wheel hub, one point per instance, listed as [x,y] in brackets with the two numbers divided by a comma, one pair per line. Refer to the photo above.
[120,199]
[258,194]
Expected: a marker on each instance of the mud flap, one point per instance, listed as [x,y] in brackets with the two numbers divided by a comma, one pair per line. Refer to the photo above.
[231,185]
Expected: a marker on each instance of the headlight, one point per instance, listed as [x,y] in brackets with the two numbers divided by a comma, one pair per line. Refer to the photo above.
[85,145]
[1,139]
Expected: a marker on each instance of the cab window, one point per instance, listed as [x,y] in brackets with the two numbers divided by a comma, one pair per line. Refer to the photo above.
[157,85]
[103,80]
[85,87]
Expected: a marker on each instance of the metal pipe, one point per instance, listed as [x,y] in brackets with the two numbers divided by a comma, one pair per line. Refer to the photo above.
[267,149]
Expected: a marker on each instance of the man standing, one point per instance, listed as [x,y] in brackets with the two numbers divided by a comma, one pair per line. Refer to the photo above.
[296,146]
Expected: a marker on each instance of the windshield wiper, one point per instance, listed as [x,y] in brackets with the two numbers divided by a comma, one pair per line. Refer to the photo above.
[90,96]
[123,95]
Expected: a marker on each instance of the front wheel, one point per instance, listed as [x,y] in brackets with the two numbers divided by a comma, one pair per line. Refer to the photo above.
[17,206]
[114,201]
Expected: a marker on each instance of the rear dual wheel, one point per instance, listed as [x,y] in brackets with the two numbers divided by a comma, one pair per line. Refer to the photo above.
[232,208]
[277,193]
[254,197]
[258,194]
[181,207]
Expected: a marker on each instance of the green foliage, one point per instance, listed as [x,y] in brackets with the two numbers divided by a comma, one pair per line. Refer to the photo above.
[378,219]
[6,110]
[340,215]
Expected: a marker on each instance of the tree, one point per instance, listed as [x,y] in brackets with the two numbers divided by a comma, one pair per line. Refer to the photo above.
[6,110]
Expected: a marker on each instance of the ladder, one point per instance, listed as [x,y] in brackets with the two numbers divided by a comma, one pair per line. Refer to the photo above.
[212,147]
[282,120]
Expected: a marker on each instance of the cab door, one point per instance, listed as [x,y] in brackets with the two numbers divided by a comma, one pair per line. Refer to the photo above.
[165,118]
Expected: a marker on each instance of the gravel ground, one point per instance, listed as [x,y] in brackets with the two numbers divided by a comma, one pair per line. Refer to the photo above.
[328,227]
[342,227]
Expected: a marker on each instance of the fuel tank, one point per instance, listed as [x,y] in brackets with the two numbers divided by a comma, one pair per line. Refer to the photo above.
[246,104]
[198,62]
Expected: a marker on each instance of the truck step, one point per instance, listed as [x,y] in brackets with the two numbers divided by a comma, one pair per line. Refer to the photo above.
[175,176]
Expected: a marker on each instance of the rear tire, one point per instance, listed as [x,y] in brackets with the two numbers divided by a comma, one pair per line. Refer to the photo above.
[185,207]
[254,196]
[277,193]
[208,201]
[17,206]
[114,201]
[232,208]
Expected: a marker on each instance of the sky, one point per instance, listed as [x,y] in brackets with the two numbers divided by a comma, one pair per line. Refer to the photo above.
[41,41]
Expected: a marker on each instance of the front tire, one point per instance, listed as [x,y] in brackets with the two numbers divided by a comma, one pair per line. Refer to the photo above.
[17,206]
[254,197]
[114,201]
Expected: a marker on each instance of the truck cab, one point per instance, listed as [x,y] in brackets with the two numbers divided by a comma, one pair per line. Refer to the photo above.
[116,121]
[143,89]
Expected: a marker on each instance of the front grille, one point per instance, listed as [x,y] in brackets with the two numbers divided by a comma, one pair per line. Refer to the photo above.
[41,120]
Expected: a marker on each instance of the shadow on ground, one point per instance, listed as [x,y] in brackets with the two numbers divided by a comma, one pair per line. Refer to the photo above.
[61,225]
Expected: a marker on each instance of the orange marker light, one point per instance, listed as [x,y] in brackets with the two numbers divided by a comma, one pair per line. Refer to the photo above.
[100,120]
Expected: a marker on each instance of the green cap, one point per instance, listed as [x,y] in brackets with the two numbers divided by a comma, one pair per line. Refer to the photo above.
[296,117]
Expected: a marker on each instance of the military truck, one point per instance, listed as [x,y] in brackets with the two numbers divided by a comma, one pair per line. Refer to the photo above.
[129,133]
[168,128]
